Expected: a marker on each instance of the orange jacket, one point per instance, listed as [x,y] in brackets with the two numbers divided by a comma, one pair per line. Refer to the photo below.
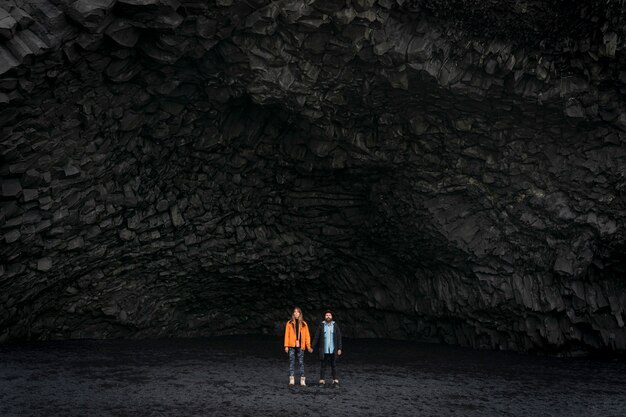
[290,335]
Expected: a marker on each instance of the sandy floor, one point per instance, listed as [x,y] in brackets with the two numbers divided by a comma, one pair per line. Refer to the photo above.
[239,376]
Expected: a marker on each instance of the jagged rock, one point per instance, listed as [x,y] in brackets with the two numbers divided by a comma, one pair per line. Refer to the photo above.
[35,44]
[123,70]
[443,175]
[162,205]
[123,32]
[51,16]
[44,264]
[8,25]
[76,243]
[23,19]
[127,235]
[177,219]
[7,61]
[12,236]
[131,121]
[90,41]
[20,49]
[159,52]
[206,28]
[93,15]
[30,194]
[71,171]
[11,187]
[154,14]
[173,4]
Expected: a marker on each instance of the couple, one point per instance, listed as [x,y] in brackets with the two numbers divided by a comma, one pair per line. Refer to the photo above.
[298,339]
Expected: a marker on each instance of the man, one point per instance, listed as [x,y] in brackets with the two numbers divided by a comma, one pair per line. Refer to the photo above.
[328,340]
[297,340]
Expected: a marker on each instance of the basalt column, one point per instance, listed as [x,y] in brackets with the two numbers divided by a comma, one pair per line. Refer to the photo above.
[430,170]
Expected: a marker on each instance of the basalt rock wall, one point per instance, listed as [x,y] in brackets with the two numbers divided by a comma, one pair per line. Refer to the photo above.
[432,170]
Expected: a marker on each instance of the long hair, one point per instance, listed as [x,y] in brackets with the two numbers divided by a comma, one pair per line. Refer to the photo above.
[293,319]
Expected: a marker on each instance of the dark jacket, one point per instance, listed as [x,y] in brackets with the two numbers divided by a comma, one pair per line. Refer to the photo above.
[318,340]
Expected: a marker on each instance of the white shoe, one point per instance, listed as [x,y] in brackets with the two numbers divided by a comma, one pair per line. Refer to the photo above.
[335,382]
[291,380]
[322,382]
[302,381]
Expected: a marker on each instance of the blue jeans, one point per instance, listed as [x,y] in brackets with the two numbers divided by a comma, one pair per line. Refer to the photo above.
[292,360]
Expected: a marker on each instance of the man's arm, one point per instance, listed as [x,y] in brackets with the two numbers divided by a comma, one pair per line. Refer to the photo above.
[316,338]
[339,342]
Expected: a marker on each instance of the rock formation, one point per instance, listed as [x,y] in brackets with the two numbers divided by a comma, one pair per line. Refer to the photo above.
[436,170]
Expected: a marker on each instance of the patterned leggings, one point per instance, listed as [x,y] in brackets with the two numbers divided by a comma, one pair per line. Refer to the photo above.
[292,360]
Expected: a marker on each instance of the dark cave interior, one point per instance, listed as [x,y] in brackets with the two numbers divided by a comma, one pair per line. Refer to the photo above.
[432,170]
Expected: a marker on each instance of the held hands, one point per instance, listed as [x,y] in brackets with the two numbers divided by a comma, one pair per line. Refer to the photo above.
[339,352]
[309,349]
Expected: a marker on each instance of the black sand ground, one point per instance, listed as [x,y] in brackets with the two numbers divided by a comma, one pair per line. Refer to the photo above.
[247,376]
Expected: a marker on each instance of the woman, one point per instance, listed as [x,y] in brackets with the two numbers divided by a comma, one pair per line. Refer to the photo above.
[297,340]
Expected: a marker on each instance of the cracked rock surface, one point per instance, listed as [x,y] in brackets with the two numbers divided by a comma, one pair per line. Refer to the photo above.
[435,170]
